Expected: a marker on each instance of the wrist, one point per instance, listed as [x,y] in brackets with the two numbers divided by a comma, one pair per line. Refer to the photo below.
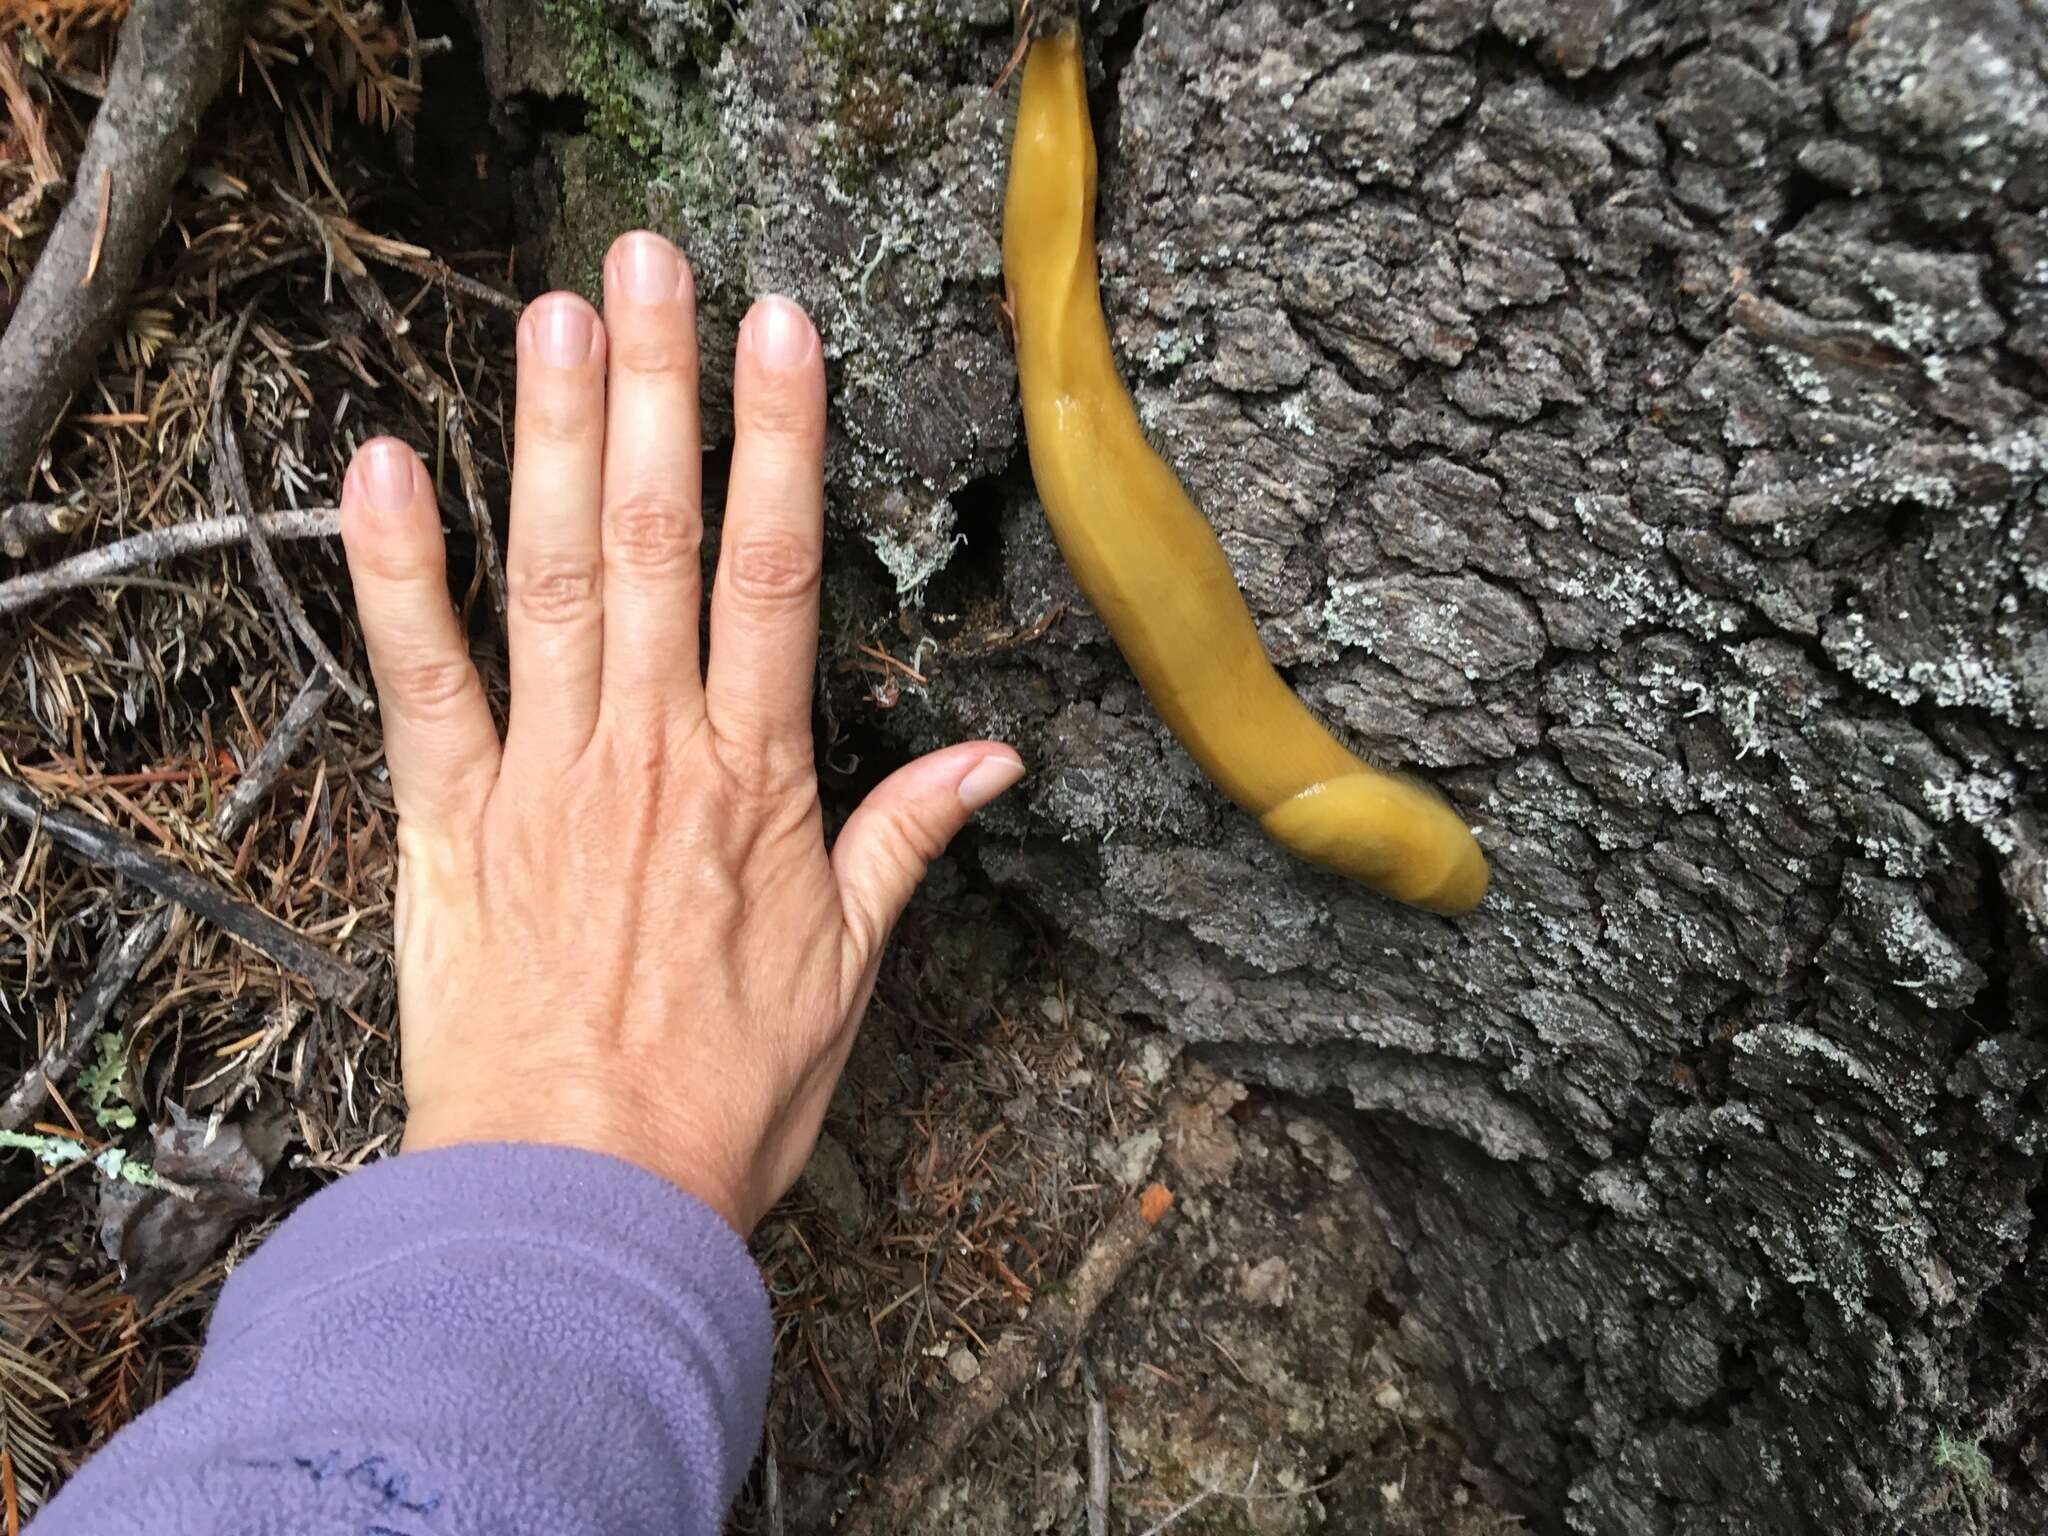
[687,1169]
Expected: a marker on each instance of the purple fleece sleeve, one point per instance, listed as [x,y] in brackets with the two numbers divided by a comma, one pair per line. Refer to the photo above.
[485,1339]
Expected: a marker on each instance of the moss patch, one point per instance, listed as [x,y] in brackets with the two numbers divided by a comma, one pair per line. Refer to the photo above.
[613,72]
[604,190]
[654,153]
[883,53]
[695,195]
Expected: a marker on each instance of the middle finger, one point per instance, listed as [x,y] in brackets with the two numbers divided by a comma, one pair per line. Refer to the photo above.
[653,467]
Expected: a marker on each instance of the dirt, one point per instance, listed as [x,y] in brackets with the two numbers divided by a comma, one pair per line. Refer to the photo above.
[1243,1367]
[986,1124]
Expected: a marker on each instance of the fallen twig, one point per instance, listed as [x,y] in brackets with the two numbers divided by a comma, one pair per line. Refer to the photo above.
[1098,1456]
[260,777]
[122,961]
[428,386]
[1057,1321]
[142,550]
[438,271]
[473,497]
[29,523]
[173,57]
[231,494]
[56,1175]
[330,978]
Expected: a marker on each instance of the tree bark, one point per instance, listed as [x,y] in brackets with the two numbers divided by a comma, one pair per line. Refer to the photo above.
[1628,415]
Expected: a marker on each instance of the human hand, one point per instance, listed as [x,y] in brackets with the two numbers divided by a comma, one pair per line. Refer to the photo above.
[621,929]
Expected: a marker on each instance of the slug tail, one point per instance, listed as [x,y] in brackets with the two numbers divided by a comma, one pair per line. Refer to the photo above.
[1399,837]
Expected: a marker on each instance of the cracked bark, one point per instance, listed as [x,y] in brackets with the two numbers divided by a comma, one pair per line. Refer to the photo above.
[1630,414]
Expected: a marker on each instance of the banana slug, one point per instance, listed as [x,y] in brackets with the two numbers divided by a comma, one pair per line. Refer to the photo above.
[1147,558]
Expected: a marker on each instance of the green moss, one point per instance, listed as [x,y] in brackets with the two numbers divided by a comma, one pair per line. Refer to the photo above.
[890,59]
[612,71]
[1965,1459]
[654,152]
[696,188]
[100,1082]
[604,190]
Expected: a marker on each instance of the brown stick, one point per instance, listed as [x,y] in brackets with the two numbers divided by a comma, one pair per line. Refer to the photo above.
[431,387]
[28,523]
[231,494]
[111,561]
[427,385]
[173,57]
[329,977]
[122,961]
[1058,1320]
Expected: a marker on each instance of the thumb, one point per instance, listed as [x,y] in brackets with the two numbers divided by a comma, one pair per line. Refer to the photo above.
[906,821]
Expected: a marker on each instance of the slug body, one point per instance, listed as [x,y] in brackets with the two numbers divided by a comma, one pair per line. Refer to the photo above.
[1150,564]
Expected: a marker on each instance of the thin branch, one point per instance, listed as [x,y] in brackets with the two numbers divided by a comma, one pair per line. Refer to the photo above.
[258,779]
[1057,1321]
[111,561]
[173,57]
[330,978]
[429,386]
[416,259]
[122,961]
[231,494]
[473,498]
[438,271]
[28,523]
[56,1175]
[1099,1455]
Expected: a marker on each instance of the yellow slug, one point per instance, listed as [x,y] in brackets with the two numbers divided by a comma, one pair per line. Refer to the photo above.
[1148,560]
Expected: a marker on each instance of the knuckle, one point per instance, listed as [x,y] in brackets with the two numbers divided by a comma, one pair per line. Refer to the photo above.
[785,775]
[428,685]
[658,350]
[653,531]
[555,590]
[556,418]
[775,568]
[785,411]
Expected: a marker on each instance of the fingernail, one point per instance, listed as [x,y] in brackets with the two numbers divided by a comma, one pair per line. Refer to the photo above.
[989,778]
[649,269]
[562,330]
[780,333]
[386,466]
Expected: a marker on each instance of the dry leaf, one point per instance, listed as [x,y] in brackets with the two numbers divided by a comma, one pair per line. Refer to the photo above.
[1155,1203]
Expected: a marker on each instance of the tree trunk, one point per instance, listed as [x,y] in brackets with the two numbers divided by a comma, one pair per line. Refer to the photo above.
[1627,415]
